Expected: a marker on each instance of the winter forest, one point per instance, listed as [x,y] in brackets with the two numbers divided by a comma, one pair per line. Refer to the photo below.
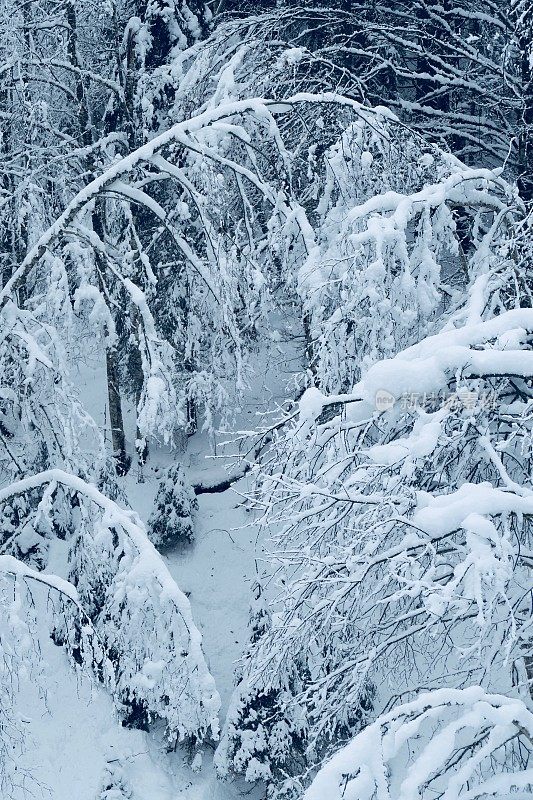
[266,399]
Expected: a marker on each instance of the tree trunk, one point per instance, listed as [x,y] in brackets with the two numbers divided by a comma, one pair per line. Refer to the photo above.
[525,139]
[116,421]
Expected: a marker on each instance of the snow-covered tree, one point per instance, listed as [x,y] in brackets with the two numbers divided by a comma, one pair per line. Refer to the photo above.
[124,599]
[172,519]
[442,67]
[397,237]
[521,15]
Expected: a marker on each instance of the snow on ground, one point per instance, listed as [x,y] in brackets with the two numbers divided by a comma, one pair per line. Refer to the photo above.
[72,736]
[74,740]
[217,571]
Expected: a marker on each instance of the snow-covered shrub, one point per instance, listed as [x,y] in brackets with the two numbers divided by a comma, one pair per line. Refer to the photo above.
[172,520]
[263,737]
[115,785]
[266,732]
[108,485]
[252,743]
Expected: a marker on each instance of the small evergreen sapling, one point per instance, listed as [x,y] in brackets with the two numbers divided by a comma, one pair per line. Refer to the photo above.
[172,520]
[264,732]
[115,784]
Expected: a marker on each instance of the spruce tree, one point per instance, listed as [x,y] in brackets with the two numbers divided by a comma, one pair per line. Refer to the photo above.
[172,520]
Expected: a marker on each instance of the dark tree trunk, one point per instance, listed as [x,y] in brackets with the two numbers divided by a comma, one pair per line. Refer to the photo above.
[525,140]
[116,421]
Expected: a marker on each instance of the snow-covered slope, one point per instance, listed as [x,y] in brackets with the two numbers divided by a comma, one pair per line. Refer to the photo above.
[73,744]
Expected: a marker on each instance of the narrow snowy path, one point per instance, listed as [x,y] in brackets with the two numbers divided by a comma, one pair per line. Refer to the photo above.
[218,569]
[216,572]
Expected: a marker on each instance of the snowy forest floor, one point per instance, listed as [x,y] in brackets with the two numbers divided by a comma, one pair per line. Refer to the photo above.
[74,738]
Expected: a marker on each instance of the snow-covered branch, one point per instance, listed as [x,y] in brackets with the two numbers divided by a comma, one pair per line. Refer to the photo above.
[140,615]
[454,744]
